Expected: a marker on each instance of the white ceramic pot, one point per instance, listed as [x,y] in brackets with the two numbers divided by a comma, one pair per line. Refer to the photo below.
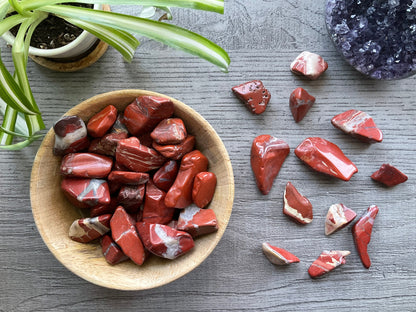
[80,45]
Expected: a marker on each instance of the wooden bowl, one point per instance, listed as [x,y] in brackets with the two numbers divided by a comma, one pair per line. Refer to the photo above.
[53,214]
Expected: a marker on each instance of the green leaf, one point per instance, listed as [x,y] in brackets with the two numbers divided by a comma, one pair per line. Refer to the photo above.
[9,121]
[9,22]
[20,145]
[13,133]
[20,123]
[4,8]
[171,35]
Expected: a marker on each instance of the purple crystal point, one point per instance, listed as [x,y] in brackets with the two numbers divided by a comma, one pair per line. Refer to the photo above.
[376,37]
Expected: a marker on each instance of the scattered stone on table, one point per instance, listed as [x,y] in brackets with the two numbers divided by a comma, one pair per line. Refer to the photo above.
[107,144]
[278,256]
[327,261]
[389,175]
[297,206]
[164,241]
[86,230]
[146,112]
[267,156]
[111,251]
[165,176]
[70,135]
[137,157]
[375,37]
[101,122]
[85,193]
[154,208]
[300,102]
[338,217]
[359,125]
[204,188]
[197,221]
[128,177]
[169,131]
[361,232]
[180,194]
[131,197]
[104,209]
[254,95]
[86,165]
[324,156]
[124,233]
[310,65]
[176,151]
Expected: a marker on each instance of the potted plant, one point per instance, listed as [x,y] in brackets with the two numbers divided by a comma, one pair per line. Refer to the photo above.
[22,117]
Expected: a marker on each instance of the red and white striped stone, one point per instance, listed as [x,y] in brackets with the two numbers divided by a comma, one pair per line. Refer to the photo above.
[128,177]
[296,206]
[338,217]
[85,193]
[111,251]
[310,65]
[86,165]
[327,261]
[169,131]
[176,151]
[278,256]
[86,230]
[154,208]
[70,135]
[197,221]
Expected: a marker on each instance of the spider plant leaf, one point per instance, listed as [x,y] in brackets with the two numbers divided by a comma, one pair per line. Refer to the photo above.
[19,124]
[4,8]
[20,145]
[9,22]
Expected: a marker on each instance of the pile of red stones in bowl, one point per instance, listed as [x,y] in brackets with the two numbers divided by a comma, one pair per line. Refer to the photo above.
[138,176]
[269,153]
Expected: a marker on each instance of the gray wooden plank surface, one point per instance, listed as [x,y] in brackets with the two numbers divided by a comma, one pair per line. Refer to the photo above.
[262,38]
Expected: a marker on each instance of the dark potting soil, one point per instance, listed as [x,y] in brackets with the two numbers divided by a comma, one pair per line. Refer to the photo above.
[54,32]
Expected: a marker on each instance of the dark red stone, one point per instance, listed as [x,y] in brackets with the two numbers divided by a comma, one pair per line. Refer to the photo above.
[107,144]
[163,241]
[86,230]
[300,102]
[111,251]
[267,156]
[154,208]
[204,188]
[128,177]
[146,139]
[85,193]
[101,122]
[166,175]
[324,156]
[137,157]
[86,165]
[358,124]
[278,256]
[180,194]
[124,233]
[70,135]
[310,65]
[361,231]
[176,151]
[104,209]
[197,221]
[146,112]
[254,95]
[169,131]
[296,206]
[327,261]
[131,197]
[338,217]
[389,175]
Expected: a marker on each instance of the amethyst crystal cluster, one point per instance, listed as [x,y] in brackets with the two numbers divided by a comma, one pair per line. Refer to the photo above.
[377,37]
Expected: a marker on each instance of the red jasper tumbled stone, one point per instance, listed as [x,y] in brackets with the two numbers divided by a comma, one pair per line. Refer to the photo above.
[128,177]
[296,206]
[86,165]
[104,209]
[70,135]
[310,65]
[85,193]
[197,221]
[278,256]
[154,208]
[111,251]
[300,102]
[324,156]
[176,151]
[101,122]
[204,188]
[389,175]
[327,261]
[254,95]
[267,156]
[166,175]
[338,217]
[131,197]
[107,144]
[86,230]
[169,131]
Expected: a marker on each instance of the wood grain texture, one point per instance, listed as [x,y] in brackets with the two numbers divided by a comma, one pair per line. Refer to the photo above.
[262,37]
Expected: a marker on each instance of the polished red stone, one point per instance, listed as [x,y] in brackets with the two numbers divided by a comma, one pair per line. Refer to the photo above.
[166,175]
[389,175]
[163,241]
[324,156]
[197,221]
[146,112]
[118,126]
[296,206]
[131,197]
[361,232]
[86,165]
[267,156]
[169,131]
[338,217]
[327,261]
[310,65]
[85,193]
[107,144]
[154,208]
[101,122]
[278,256]
[128,177]
[137,157]
[86,230]
[204,188]
[300,102]
[180,194]
[358,124]
[145,139]
[70,135]
[104,209]
[111,251]
[254,95]
[176,151]
[124,233]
